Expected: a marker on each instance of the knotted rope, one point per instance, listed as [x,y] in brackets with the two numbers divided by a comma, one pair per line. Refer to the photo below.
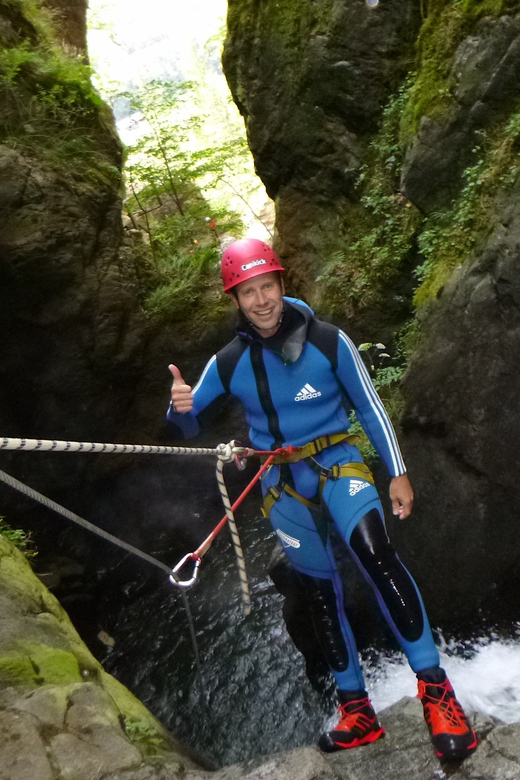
[53,445]
[225,453]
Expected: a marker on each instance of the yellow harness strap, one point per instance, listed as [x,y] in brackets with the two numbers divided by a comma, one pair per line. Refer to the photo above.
[275,492]
[316,446]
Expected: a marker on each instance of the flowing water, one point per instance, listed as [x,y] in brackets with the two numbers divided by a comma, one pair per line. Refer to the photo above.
[257,698]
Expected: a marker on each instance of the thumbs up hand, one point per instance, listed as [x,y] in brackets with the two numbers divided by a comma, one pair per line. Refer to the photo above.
[182,397]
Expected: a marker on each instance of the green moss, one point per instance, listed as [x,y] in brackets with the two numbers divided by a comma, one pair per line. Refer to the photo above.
[283,27]
[54,666]
[450,237]
[378,230]
[384,236]
[293,20]
[447,23]
[17,671]
[142,728]
[39,665]
[50,109]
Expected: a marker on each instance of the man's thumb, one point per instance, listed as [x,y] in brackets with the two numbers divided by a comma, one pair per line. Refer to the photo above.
[177,376]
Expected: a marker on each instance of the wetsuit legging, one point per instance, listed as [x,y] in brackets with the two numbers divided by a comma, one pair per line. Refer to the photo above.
[353,505]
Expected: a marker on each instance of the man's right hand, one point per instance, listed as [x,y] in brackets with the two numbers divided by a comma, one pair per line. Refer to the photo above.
[182,397]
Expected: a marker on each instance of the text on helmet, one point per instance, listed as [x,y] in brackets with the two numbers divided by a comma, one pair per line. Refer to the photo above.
[247,266]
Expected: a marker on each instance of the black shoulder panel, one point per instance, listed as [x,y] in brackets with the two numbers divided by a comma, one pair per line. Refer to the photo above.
[325,338]
[227,360]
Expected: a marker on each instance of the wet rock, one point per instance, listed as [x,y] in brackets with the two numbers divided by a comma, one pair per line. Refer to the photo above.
[461,434]
[310,80]
[95,730]
[485,76]
[60,713]
[405,752]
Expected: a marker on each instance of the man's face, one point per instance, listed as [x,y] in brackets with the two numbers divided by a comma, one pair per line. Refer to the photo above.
[261,301]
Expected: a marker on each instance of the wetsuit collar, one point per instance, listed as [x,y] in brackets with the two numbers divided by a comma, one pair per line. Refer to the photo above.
[289,339]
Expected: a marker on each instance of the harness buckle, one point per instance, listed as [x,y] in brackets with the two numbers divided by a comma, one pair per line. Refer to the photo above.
[275,492]
[334,471]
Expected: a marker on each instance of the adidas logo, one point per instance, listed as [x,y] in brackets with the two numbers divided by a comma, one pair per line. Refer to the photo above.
[356,485]
[307,392]
[288,541]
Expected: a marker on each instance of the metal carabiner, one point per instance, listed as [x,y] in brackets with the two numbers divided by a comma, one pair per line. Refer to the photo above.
[174,578]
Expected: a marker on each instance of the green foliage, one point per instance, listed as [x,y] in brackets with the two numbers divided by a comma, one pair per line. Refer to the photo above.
[167,177]
[380,230]
[182,282]
[49,106]
[385,236]
[21,539]
[386,373]
[449,237]
[145,737]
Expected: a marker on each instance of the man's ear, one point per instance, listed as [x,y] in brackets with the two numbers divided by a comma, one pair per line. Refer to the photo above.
[235,300]
[282,285]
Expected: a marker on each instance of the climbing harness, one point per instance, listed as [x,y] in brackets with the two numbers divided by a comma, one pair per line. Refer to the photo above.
[314,447]
[307,453]
[225,453]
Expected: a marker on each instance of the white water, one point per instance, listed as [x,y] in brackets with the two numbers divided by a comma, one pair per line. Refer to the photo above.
[486,677]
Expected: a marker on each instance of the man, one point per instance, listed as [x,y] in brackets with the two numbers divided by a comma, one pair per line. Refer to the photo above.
[297,379]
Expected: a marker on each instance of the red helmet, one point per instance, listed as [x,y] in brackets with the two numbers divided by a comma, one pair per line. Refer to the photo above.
[246,259]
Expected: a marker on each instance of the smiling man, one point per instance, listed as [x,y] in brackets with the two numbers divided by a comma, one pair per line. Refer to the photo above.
[298,379]
[261,302]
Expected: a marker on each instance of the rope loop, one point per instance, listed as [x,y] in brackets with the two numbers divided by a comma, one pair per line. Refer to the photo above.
[225,452]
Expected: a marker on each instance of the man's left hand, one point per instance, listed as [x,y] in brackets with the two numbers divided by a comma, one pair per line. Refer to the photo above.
[401,493]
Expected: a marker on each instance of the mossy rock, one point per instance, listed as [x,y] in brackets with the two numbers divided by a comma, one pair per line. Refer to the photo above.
[41,650]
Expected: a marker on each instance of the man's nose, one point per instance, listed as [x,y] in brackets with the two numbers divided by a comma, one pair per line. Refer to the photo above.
[261,298]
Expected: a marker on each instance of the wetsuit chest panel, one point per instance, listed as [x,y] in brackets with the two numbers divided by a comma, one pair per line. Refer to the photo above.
[251,393]
[304,395]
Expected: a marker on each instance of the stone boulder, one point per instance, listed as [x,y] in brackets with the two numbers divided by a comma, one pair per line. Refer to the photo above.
[462,432]
[405,753]
[310,80]
[485,83]
[61,715]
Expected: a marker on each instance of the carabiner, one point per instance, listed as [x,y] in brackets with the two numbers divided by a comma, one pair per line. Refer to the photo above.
[174,578]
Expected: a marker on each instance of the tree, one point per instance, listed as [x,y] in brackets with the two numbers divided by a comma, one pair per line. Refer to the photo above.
[168,172]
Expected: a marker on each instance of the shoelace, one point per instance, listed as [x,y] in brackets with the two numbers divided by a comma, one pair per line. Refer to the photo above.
[442,711]
[355,717]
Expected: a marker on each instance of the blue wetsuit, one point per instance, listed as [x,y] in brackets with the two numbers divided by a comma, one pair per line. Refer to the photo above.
[295,387]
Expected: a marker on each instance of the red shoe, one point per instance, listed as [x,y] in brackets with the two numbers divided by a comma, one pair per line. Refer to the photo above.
[452,736]
[358,725]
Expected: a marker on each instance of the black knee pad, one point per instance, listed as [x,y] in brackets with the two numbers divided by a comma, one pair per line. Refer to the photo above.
[323,609]
[370,543]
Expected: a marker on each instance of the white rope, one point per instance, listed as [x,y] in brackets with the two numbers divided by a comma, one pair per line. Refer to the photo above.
[225,457]
[51,445]
[225,453]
